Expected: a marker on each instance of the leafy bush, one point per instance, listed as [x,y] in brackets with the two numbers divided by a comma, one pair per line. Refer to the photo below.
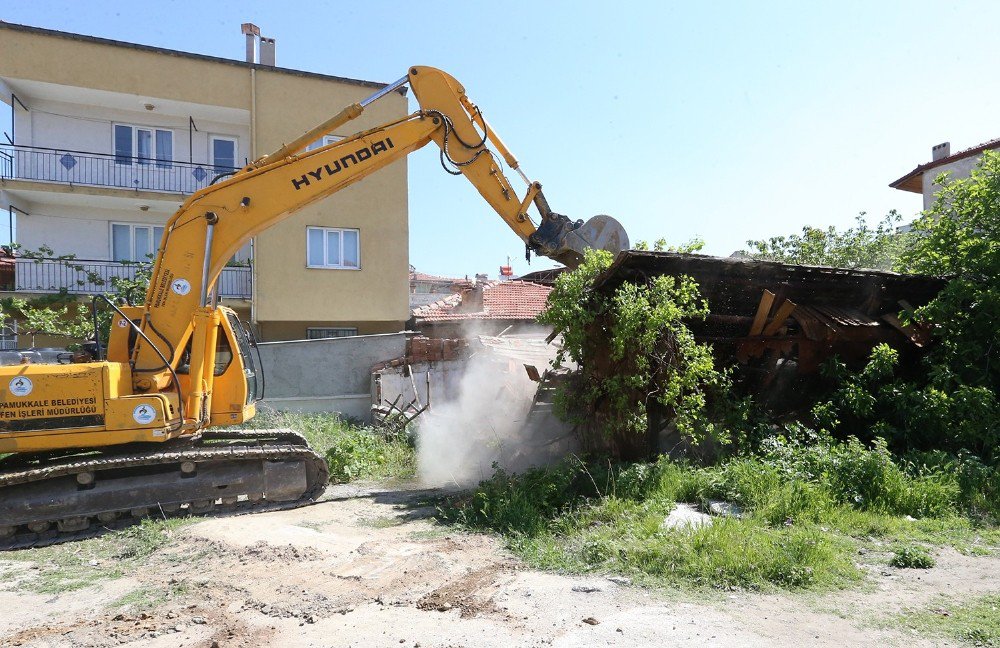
[916,415]
[978,484]
[646,356]
[912,557]
[361,453]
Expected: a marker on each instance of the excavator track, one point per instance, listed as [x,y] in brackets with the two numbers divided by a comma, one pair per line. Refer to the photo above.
[48,499]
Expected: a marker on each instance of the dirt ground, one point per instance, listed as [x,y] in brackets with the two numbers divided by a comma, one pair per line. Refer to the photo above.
[370,567]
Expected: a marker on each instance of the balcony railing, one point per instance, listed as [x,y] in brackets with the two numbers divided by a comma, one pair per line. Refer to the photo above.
[87,277]
[104,170]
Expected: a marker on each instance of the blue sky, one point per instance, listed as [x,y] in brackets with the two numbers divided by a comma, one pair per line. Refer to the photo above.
[723,120]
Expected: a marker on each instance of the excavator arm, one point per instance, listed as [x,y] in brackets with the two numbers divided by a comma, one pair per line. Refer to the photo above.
[216,221]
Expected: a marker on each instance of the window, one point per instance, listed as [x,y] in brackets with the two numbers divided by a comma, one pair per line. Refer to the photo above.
[333,248]
[143,145]
[133,242]
[323,141]
[223,153]
[223,354]
[322,333]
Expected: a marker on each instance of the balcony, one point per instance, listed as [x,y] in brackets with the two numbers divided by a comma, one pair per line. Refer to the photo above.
[65,166]
[88,277]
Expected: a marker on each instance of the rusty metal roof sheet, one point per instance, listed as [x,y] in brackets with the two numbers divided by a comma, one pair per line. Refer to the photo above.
[734,286]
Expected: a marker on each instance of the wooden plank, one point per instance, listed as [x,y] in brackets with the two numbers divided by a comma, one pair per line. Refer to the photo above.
[763,310]
[911,332]
[784,311]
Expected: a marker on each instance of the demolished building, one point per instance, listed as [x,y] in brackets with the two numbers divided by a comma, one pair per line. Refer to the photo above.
[485,308]
[778,322]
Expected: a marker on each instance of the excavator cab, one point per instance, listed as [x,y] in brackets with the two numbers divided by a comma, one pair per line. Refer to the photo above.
[237,383]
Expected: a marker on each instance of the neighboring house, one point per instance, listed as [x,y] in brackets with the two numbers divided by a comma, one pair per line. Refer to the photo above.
[958,165]
[108,138]
[426,289]
[485,309]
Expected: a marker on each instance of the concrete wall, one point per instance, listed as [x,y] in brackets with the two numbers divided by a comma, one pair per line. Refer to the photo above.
[444,378]
[956,170]
[377,206]
[332,375]
[299,330]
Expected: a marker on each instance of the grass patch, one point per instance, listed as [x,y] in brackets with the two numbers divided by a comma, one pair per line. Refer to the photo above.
[66,568]
[975,622]
[807,512]
[352,451]
[148,598]
[382,522]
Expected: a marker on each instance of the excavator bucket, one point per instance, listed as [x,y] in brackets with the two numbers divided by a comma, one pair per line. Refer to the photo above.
[602,232]
[564,240]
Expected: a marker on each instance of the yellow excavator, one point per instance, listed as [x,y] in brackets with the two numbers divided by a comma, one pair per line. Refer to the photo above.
[144,430]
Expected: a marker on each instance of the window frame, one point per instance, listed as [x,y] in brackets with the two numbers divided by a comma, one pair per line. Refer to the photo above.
[134,158]
[212,139]
[154,241]
[326,253]
[311,329]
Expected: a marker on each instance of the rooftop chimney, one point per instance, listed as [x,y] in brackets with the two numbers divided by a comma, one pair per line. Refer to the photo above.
[252,31]
[939,151]
[266,51]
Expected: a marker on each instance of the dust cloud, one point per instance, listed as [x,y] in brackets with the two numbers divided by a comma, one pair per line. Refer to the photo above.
[486,422]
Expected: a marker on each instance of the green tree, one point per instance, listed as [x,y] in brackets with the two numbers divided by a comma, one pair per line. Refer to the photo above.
[959,237]
[861,246]
[954,402]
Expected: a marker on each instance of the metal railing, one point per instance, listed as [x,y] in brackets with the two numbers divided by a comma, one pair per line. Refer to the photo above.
[90,277]
[104,169]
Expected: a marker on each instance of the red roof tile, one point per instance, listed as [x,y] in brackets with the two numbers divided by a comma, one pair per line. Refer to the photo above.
[502,300]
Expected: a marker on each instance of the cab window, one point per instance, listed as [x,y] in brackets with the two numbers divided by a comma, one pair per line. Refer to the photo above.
[223,355]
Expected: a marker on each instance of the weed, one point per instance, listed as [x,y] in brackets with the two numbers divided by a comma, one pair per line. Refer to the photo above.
[382,522]
[149,597]
[89,562]
[310,524]
[806,513]
[912,557]
[353,452]
[975,621]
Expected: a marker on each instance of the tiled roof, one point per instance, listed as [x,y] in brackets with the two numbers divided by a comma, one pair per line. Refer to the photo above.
[422,276]
[502,300]
[913,181]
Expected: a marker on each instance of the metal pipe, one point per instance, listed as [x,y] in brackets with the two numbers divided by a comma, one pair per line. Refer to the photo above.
[347,114]
[384,91]
[352,111]
[212,219]
[97,330]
